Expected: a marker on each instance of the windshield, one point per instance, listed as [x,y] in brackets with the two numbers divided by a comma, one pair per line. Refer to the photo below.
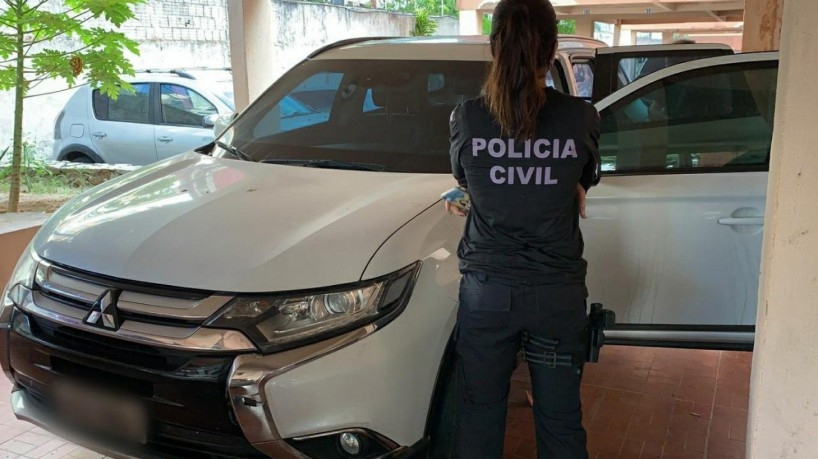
[389,114]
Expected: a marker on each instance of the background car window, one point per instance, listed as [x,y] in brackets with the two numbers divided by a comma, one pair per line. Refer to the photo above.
[184,106]
[391,113]
[584,74]
[128,107]
[719,118]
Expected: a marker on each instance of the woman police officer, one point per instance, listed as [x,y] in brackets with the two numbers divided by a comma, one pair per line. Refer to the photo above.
[527,154]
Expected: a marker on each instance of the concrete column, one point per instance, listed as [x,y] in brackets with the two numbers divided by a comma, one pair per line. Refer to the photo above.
[783,414]
[762,24]
[634,37]
[252,32]
[471,22]
[667,37]
[585,27]
[617,37]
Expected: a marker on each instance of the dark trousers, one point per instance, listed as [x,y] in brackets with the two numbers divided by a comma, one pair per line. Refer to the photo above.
[491,321]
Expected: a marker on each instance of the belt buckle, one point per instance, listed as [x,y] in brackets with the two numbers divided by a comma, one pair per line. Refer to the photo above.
[550,359]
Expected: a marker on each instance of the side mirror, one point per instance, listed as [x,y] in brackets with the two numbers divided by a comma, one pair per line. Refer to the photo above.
[209,121]
[222,121]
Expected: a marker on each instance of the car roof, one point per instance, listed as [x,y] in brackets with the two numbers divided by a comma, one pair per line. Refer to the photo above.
[461,48]
[647,48]
[684,67]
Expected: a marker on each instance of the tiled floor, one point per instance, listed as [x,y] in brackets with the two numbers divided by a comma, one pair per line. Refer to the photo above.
[646,403]
[639,403]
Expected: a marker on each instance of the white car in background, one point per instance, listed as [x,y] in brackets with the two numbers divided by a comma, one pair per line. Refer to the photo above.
[292,292]
[169,113]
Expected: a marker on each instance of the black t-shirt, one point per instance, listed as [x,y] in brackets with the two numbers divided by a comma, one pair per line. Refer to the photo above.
[524,218]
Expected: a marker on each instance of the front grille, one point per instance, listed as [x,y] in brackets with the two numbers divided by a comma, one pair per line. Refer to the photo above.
[103,347]
[185,392]
[138,302]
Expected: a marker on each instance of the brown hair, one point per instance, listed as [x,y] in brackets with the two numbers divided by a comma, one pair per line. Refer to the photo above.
[523,43]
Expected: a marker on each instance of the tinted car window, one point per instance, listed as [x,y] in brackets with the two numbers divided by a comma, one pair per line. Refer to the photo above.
[184,106]
[716,119]
[128,107]
[584,74]
[394,114]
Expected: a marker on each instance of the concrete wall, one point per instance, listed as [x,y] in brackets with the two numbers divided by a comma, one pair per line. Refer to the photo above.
[13,239]
[783,415]
[762,25]
[302,27]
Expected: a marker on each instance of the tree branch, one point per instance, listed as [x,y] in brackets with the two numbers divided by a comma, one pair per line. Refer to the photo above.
[52,92]
[37,41]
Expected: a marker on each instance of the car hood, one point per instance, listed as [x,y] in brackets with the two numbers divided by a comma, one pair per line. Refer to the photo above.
[199,222]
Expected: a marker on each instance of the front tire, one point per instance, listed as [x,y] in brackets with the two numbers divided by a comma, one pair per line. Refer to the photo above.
[442,414]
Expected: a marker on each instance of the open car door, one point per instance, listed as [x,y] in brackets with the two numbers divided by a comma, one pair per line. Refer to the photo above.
[618,66]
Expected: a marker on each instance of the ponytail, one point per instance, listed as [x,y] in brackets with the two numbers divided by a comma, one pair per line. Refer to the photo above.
[523,43]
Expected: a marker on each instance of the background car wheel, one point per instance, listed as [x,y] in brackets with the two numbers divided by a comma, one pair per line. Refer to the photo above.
[442,414]
[80,158]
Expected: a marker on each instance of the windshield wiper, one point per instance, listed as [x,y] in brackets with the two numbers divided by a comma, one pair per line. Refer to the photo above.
[327,164]
[234,151]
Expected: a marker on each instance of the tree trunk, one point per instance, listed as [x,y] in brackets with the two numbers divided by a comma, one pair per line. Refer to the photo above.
[17,149]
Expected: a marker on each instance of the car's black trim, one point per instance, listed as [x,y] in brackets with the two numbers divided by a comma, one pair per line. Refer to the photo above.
[77,148]
[679,344]
[674,327]
[690,171]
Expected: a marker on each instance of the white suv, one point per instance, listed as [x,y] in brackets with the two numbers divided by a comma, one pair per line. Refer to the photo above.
[169,113]
[292,292]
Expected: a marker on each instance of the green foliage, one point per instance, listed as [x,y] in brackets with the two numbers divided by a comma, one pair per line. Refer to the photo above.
[567,27]
[432,7]
[38,178]
[424,24]
[28,29]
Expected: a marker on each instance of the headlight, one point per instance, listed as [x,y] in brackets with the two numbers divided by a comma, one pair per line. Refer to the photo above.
[22,279]
[276,322]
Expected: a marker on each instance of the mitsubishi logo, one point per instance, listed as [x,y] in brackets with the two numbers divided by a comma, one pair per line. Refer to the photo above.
[104,313]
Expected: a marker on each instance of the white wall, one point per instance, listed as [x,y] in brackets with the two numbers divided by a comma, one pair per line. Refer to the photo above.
[784,389]
[303,27]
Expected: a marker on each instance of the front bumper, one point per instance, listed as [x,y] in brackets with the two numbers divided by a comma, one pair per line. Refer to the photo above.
[192,415]
[222,403]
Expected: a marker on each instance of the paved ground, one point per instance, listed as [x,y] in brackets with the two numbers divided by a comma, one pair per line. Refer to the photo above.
[639,403]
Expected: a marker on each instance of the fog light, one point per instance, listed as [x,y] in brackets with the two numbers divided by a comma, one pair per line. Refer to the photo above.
[350,443]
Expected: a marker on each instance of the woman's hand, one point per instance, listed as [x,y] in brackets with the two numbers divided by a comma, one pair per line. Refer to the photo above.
[581,199]
[454,210]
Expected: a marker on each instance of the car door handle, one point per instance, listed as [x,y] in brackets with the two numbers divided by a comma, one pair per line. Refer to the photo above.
[742,221]
[165,139]
[99,135]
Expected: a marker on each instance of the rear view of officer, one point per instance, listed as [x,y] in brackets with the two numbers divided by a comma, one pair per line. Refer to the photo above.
[527,155]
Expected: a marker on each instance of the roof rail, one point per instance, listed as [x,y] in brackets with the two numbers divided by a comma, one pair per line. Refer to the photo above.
[347,42]
[184,73]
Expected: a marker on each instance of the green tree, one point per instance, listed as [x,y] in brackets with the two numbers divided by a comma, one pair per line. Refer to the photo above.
[564,27]
[433,7]
[28,29]
[424,24]
[567,27]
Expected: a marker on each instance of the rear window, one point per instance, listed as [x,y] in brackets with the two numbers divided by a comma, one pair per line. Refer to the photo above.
[391,113]
[128,107]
